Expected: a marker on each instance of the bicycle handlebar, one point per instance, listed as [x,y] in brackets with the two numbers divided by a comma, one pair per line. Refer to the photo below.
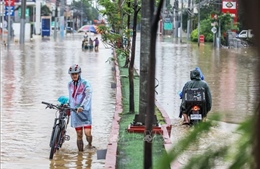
[52,106]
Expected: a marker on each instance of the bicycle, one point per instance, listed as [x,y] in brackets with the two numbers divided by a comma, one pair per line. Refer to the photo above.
[58,135]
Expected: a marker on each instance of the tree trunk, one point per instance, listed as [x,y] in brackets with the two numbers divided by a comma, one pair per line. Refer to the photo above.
[150,113]
[144,58]
[131,67]
[127,60]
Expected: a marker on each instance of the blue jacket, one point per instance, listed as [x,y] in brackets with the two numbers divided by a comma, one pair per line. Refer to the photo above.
[80,94]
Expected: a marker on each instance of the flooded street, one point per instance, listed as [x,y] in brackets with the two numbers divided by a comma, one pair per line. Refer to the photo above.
[37,73]
[231,76]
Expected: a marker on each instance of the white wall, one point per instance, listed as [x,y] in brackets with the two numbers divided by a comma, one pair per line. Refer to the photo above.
[16,27]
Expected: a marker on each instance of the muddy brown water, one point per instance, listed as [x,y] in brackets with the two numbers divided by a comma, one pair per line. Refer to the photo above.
[38,72]
[231,76]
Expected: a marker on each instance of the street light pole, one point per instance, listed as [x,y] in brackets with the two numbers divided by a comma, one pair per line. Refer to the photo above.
[176,4]
[181,21]
[81,12]
[55,20]
[2,18]
[9,24]
[199,23]
[62,19]
[22,26]
[188,22]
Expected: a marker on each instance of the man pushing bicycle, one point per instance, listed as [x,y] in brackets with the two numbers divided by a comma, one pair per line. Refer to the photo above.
[80,96]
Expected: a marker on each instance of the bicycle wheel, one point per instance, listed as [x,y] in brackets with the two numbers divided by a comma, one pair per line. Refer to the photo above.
[55,141]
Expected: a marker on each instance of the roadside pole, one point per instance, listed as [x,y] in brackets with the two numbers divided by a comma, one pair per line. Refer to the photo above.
[181,21]
[2,13]
[9,24]
[55,22]
[188,22]
[199,23]
[22,24]
[62,19]
[219,34]
[176,5]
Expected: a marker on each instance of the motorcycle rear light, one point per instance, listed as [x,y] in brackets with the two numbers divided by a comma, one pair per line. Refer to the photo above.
[196,108]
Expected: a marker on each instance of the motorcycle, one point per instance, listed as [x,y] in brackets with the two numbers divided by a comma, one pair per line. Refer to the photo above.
[195,104]
[85,44]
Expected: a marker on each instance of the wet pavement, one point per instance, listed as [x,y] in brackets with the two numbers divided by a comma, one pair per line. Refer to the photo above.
[38,72]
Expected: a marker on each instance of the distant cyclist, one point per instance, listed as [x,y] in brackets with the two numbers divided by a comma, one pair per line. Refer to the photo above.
[80,96]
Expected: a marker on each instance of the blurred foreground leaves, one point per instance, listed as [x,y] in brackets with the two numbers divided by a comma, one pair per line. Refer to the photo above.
[235,155]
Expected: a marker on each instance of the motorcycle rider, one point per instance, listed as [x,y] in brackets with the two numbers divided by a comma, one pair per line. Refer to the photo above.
[195,82]
[80,97]
[85,41]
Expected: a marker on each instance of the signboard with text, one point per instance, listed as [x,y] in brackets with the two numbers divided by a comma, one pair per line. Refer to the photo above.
[9,10]
[230,6]
[46,26]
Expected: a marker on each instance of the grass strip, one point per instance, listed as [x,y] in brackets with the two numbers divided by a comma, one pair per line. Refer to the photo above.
[130,154]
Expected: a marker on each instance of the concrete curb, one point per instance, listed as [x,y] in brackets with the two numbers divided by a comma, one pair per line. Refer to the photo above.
[110,162]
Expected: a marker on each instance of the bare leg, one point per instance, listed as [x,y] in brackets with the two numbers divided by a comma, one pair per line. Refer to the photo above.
[88,136]
[186,119]
[80,143]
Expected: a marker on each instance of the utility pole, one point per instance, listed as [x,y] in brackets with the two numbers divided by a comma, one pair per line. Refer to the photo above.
[181,21]
[62,19]
[188,22]
[2,13]
[81,12]
[176,5]
[199,23]
[55,20]
[9,24]
[22,26]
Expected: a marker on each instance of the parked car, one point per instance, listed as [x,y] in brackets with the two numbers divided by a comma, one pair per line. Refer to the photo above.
[245,34]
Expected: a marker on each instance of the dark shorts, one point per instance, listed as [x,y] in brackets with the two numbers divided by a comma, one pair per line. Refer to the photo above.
[85,127]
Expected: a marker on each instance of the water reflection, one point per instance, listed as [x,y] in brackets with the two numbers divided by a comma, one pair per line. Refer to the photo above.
[77,160]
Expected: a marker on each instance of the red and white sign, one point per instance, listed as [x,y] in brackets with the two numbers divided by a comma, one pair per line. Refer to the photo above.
[11,2]
[201,38]
[230,6]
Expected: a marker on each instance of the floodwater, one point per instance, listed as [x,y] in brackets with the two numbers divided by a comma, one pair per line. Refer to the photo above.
[231,76]
[39,72]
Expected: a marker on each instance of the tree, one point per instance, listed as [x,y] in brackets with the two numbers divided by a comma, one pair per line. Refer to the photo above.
[120,35]
[45,11]
[83,9]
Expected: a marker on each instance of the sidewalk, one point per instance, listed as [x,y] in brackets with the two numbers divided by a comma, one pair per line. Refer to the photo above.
[112,148]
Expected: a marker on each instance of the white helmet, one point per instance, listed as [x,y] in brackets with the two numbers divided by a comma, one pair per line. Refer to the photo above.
[74,69]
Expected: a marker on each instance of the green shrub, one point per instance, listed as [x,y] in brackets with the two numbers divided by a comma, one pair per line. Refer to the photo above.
[194,35]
